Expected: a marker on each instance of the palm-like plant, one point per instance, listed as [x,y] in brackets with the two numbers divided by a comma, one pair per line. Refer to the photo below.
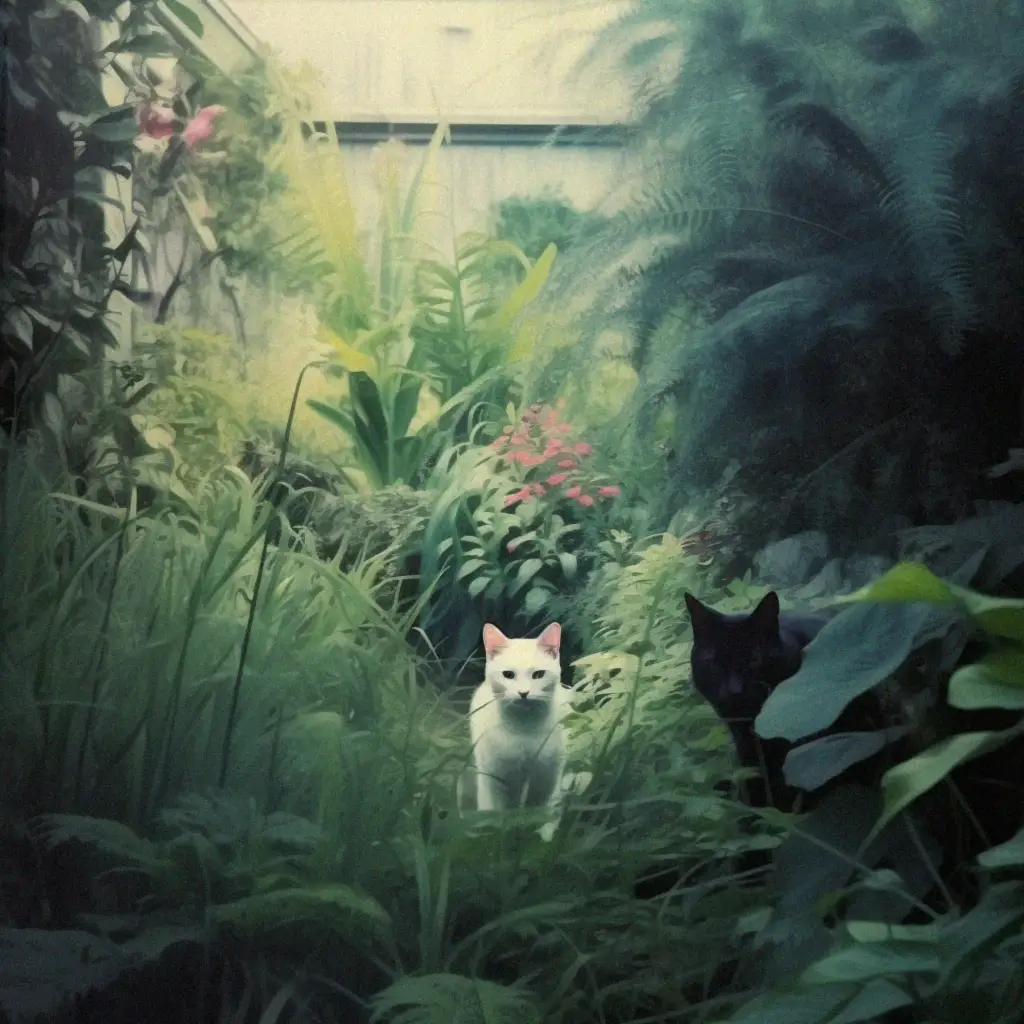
[810,262]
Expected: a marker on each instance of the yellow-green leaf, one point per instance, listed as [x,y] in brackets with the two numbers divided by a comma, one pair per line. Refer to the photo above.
[525,292]
[1001,616]
[902,785]
[345,354]
[997,681]
[908,581]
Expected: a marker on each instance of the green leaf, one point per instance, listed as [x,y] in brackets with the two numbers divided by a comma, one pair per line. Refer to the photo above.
[810,1006]
[902,785]
[878,997]
[478,585]
[470,567]
[338,905]
[429,998]
[1006,855]
[865,961]
[569,563]
[536,598]
[186,16]
[53,414]
[854,653]
[527,570]
[18,324]
[911,581]
[997,681]
[908,581]
[812,764]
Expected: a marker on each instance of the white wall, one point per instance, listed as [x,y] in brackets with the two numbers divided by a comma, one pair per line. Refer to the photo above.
[466,61]
[492,61]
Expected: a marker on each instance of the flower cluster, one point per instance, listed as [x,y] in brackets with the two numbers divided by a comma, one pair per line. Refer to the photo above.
[542,439]
[159,123]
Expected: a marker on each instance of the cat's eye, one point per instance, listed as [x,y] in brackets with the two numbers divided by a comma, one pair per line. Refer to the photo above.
[539,674]
[509,673]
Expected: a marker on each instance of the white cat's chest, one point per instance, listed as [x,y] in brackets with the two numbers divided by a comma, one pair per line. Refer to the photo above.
[498,737]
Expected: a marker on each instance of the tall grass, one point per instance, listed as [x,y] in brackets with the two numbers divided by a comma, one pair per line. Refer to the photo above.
[123,637]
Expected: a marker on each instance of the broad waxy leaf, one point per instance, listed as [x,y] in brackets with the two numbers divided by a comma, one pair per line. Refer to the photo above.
[911,581]
[855,652]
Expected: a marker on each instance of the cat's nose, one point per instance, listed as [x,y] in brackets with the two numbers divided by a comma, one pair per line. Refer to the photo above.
[524,694]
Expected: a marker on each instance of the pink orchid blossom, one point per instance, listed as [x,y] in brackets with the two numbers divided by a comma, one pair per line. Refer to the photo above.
[201,126]
[573,492]
[609,491]
[586,500]
[557,478]
[582,448]
[567,464]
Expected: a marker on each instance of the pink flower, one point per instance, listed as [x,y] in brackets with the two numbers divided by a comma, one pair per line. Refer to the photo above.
[610,491]
[537,489]
[567,464]
[523,494]
[573,492]
[557,478]
[531,460]
[500,442]
[156,122]
[511,546]
[585,499]
[201,126]
[582,448]
[519,439]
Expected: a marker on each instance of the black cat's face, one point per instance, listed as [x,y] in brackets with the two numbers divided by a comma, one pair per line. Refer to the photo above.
[738,660]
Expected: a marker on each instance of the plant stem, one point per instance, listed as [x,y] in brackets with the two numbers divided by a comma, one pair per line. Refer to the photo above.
[257,583]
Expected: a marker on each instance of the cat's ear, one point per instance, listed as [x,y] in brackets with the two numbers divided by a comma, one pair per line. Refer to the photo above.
[766,615]
[494,640]
[550,640]
[702,618]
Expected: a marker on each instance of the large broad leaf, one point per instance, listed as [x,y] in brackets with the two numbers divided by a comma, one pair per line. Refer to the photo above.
[812,764]
[810,1006]
[997,681]
[902,785]
[911,581]
[855,652]
[865,961]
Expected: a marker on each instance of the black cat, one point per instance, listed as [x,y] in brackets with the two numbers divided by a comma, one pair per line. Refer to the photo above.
[737,661]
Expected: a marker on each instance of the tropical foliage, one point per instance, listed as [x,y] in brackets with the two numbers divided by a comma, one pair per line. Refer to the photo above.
[234,675]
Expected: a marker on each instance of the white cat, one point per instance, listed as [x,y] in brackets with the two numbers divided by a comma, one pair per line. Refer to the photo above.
[515,722]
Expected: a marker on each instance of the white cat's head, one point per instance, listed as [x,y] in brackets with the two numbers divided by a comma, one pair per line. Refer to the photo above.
[523,673]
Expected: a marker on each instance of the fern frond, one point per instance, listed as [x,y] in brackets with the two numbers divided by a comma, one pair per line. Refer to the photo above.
[108,837]
[923,206]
